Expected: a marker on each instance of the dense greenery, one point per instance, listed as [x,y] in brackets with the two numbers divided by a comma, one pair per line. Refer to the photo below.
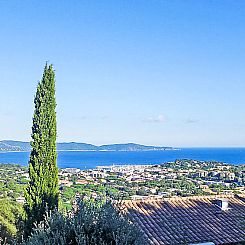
[93,224]
[11,215]
[12,181]
[42,191]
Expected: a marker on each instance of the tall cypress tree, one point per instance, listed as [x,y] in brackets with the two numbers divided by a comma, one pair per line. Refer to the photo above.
[42,191]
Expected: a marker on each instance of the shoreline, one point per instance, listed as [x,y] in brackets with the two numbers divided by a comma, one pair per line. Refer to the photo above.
[91,159]
[175,149]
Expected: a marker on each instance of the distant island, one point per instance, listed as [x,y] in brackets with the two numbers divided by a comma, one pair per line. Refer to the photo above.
[11,145]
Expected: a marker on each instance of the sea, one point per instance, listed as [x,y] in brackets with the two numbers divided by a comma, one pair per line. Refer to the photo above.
[92,159]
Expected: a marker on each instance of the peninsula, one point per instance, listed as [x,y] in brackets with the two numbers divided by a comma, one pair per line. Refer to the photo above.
[11,145]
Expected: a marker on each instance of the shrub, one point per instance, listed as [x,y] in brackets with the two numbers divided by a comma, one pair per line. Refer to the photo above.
[93,224]
[10,214]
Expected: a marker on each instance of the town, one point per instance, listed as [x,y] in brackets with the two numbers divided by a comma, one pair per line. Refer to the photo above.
[124,182]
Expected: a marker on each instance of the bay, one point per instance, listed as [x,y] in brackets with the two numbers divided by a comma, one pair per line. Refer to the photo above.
[92,159]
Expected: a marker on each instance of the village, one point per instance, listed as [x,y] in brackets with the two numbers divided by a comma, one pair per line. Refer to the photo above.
[132,182]
[179,178]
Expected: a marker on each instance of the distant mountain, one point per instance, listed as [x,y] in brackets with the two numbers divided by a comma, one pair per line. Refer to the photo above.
[73,146]
[11,145]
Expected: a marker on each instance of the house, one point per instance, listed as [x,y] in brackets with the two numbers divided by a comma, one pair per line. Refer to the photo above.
[20,200]
[217,219]
[82,182]
[65,183]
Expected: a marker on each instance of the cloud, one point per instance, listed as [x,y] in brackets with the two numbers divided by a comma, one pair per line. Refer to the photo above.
[104,117]
[190,120]
[159,119]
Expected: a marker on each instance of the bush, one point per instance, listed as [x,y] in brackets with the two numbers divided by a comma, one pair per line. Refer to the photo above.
[10,213]
[93,224]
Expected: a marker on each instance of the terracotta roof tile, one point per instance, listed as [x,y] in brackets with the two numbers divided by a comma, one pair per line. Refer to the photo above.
[189,219]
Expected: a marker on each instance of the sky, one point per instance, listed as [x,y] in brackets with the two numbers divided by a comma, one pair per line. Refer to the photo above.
[155,72]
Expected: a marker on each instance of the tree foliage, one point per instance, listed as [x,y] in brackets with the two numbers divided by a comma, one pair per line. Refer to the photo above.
[10,213]
[92,225]
[42,191]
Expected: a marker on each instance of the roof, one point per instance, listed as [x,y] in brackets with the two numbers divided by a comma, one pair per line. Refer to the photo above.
[185,220]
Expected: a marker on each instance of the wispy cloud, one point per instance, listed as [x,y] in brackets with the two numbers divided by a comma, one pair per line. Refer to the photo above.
[104,117]
[158,119]
[191,120]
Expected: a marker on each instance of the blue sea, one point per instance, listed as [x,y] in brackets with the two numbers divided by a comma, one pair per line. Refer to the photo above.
[92,159]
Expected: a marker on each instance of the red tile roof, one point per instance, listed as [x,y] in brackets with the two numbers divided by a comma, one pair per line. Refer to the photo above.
[184,220]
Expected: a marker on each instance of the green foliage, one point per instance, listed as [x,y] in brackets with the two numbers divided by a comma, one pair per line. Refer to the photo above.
[93,224]
[42,191]
[11,184]
[10,213]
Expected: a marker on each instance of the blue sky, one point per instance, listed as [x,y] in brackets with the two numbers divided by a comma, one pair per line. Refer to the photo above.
[156,72]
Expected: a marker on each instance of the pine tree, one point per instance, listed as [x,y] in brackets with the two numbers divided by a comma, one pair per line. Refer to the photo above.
[42,191]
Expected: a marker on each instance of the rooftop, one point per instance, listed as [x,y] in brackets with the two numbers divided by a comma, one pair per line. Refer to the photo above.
[185,220]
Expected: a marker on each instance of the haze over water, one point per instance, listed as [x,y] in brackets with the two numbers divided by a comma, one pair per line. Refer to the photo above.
[90,159]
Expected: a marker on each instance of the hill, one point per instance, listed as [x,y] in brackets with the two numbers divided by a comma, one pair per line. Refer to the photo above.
[11,145]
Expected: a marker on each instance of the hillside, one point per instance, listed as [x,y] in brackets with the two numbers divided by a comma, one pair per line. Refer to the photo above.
[11,145]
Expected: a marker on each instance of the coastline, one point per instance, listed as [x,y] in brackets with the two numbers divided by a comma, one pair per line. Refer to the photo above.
[174,149]
[91,159]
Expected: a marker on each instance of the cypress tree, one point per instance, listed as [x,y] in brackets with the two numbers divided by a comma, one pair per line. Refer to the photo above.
[42,191]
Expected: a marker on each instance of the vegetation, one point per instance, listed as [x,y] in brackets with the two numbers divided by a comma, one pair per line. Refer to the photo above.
[42,191]
[14,178]
[12,181]
[93,224]
[10,215]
